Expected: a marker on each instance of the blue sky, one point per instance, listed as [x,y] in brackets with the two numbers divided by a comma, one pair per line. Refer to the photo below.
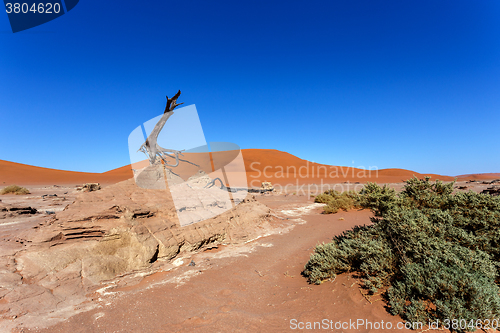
[403,84]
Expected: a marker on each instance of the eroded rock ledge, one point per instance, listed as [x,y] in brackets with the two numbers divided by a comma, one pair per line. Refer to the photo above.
[116,231]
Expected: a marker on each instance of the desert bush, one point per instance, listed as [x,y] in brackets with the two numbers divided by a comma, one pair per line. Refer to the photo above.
[15,190]
[335,201]
[379,199]
[434,254]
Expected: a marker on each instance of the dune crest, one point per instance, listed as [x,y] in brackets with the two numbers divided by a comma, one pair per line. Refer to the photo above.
[261,165]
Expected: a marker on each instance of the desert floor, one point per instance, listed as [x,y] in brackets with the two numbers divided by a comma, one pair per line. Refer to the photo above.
[246,286]
[252,287]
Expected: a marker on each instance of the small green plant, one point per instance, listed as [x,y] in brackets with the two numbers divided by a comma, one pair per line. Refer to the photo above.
[14,189]
[433,254]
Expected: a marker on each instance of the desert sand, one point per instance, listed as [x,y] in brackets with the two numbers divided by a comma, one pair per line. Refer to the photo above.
[23,174]
[480,176]
[257,287]
[283,168]
[116,260]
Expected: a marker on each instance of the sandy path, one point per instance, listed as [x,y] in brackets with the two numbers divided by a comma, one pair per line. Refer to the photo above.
[254,288]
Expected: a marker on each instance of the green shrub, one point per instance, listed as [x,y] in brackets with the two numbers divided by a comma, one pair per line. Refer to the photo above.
[379,199]
[434,254]
[323,198]
[335,201]
[15,190]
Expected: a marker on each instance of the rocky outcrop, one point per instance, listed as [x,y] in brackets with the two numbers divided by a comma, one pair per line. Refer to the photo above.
[494,181]
[124,228]
[9,211]
[267,187]
[493,190]
[89,187]
[108,233]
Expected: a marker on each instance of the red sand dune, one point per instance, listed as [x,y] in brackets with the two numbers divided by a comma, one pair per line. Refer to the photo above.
[283,168]
[261,165]
[23,174]
[480,176]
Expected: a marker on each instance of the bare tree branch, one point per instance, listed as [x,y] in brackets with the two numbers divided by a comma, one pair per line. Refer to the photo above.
[172,102]
[151,147]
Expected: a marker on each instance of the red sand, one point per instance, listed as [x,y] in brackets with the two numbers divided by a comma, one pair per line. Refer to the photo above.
[480,176]
[261,165]
[283,168]
[262,291]
[23,174]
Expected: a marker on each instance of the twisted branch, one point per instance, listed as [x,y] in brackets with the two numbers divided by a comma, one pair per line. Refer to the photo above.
[151,147]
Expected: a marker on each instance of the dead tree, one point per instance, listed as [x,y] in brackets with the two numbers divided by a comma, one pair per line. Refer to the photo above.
[151,147]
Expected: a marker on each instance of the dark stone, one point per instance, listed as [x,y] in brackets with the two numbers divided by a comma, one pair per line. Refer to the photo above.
[494,190]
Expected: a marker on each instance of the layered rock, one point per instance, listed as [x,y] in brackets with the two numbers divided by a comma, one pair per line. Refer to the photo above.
[9,211]
[493,190]
[108,233]
[89,187]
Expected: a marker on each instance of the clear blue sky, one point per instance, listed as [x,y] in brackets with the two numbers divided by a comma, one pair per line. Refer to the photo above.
[404,84]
